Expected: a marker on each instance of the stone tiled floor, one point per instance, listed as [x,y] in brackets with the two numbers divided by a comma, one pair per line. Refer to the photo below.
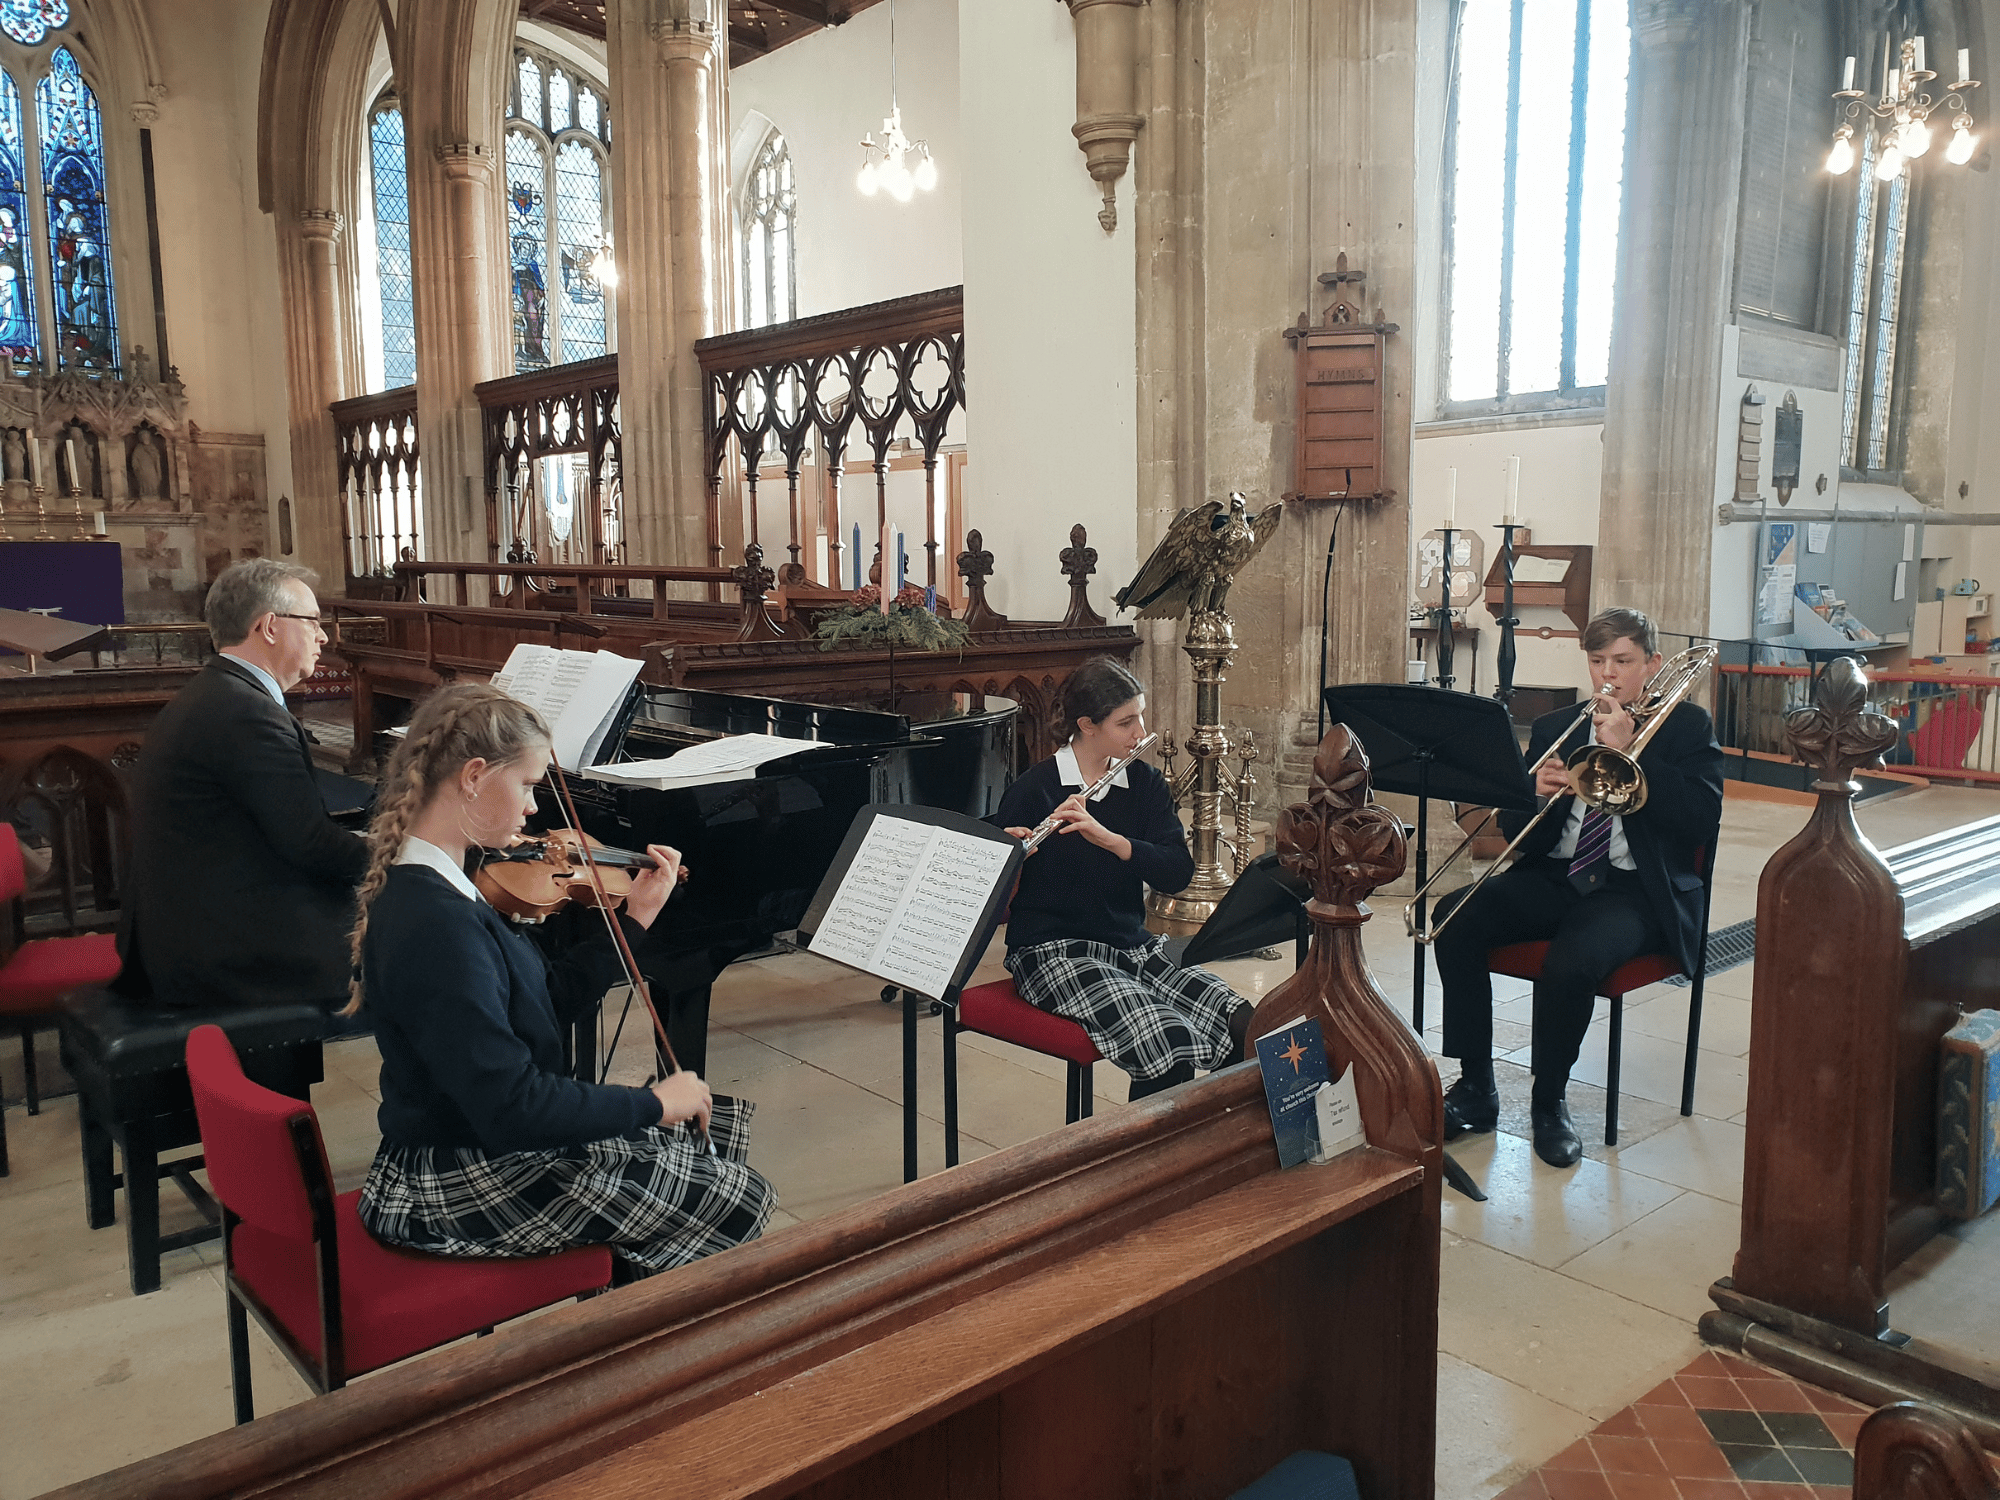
[1566,1297]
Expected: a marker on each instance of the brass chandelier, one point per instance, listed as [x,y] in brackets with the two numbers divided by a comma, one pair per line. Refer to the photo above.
[1901,117]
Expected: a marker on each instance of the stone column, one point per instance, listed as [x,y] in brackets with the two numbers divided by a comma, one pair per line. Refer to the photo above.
[316,523]
[670,206]
[1676,261]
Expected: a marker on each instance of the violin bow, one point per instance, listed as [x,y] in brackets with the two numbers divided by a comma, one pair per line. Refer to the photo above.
[630,964]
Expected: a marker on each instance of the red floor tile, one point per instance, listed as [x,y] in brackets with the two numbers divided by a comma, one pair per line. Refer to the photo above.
[1710,1489]
[1569,1485]
[1832,1492]
[1829,1402]
[1672,1422]
[1626,1455]
[1528,1489]
[1712,1393]
[1643,1487]
[1844,1425]
[1692,1460]
[1577,1457]
[1776,1491]
[1623,1424]
[1710,1362]
[1666,1393]
[1775,1395]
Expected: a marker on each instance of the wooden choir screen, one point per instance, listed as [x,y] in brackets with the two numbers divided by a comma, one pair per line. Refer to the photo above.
[893,369]
[565,409]
[381,494]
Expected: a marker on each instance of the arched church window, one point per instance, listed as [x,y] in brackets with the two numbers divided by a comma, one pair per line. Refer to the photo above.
[1874,305]
[390,199]
[79,229]
[28,21]
[770,244]
[1536,145]
[558,163]
[19,335]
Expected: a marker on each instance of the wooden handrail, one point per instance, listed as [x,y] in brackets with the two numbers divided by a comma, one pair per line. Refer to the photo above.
[670,572]
[380,404]
[901,319]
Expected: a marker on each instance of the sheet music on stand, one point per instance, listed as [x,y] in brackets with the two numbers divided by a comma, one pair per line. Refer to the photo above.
[913,896]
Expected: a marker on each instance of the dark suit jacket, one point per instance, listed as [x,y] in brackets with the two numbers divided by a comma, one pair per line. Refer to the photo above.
[1682,815]
[241,888]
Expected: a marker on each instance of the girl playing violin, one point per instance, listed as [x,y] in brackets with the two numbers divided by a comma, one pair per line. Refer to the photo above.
[489,1148]
[1077,942]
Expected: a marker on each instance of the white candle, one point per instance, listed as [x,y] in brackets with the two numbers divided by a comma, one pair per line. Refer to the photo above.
[1964,64]
[1888,53]
[1920,55]
[100,523]
[35,458]
[1513,488]
[1847,76]
[75,474]
[1451,499]
[1895,89]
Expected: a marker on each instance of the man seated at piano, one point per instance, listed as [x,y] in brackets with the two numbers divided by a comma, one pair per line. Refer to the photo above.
[1602,889]
[489,1147]
[240,890]
[1077,943]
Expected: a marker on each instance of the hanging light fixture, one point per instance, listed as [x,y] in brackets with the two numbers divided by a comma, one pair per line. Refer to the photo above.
[885,164]
[1901,116]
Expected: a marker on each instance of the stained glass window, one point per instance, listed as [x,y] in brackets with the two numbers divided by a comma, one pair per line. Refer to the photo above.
[392,245]
[1537,144]
[1874,307]
[20,337]
[86,318]
[557,178]
[769,266]
[28,21]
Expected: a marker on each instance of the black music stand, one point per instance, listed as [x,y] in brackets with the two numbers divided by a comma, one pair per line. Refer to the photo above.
[1425,742]
[1265,906]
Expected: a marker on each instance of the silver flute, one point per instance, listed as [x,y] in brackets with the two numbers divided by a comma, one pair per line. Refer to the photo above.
[1049,825]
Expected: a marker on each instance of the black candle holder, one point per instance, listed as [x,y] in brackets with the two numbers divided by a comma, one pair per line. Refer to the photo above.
[1507,621]
[1442,614]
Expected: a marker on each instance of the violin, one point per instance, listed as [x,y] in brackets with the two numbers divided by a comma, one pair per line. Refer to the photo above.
[533,878]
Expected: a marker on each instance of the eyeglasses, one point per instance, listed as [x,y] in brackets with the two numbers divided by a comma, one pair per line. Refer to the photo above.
[310,619]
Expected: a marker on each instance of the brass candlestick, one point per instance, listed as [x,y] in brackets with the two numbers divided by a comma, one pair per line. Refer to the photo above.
[42,532]
[76,500]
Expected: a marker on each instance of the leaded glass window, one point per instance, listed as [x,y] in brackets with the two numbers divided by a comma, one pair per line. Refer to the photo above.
[1537,145]
[1874,306]
[20,337]
[770,208]
[28,21]
[79,237]
[389,177]
[558,163]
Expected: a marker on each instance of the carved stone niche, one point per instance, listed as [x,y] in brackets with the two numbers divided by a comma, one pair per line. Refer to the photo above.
[107,422]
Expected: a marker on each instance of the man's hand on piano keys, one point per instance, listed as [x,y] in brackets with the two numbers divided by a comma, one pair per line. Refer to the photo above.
[650,888]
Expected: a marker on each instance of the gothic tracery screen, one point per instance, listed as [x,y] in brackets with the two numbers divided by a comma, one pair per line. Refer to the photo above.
[770,243]
[558,161]
[1537,144]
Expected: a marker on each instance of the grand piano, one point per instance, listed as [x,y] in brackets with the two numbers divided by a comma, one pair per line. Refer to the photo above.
[757,849]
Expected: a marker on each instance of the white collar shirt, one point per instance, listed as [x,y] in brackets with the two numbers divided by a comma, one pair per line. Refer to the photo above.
[418,851]
[1565,849]
[1069,773]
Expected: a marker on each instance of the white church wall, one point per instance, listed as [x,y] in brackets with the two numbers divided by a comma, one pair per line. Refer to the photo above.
[1561,478]
[822,93]
[1050,331]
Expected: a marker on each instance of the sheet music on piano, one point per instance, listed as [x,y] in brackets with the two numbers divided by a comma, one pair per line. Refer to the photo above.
[913,897]
[579,693]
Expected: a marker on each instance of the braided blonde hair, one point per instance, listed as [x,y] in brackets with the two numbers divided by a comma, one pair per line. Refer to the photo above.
[460,722]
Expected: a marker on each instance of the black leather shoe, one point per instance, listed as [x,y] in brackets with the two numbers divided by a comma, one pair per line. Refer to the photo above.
[1555,1136]
[1470,1109]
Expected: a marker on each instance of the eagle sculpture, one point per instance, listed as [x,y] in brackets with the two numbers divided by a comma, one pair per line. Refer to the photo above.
[1196,561]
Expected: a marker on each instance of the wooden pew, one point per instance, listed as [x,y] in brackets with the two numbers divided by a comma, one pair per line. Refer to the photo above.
[1140,1304]
[1863,963]
[1914,1452]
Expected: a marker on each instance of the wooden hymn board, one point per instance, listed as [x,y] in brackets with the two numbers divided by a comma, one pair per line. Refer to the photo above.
[913,896]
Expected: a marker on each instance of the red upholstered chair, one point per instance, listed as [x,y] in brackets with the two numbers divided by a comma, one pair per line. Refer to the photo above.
[997,1010]
[337,1301]
[36,975]
[1524,961]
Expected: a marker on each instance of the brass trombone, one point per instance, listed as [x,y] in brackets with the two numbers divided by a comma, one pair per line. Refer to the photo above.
[1603,779]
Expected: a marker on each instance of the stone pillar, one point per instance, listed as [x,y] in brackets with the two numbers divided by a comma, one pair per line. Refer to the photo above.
[670,207]
[316,523]
[1676,260]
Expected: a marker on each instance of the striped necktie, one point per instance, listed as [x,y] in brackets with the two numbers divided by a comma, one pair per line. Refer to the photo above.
[1592,859]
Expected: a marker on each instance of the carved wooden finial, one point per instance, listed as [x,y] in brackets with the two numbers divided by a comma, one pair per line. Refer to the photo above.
[1079,561]
[975,566]
[1339,840]
[1840,733]
[755,580]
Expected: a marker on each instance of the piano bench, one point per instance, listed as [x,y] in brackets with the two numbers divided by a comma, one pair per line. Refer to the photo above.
[129,1060]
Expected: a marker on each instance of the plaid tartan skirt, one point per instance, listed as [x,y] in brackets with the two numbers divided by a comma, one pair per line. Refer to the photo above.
[1139,1008]
[656,1197]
